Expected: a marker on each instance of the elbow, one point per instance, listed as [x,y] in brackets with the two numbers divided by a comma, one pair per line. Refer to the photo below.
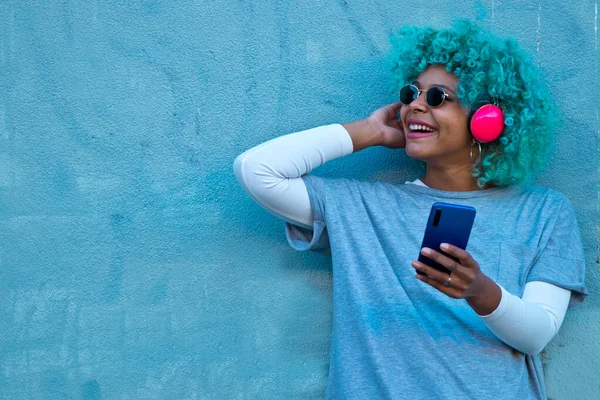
[242,169]
[245,169]
[533,348]
[238,165]
[539,341]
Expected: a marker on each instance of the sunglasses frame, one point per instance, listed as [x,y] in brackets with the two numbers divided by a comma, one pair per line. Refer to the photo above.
[419,91]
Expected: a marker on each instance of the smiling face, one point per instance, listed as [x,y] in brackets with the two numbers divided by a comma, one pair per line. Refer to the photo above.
[449,143]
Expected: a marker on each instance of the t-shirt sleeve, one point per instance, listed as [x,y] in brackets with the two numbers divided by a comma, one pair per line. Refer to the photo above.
[562,260]
[302,239]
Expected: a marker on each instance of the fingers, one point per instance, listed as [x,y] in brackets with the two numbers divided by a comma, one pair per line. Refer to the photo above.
[439,276]
[440,258]
[448,291]
[464,274]
[392,109]
[463,256]
[396,106]
[437,279]
[397,125]
[394,116]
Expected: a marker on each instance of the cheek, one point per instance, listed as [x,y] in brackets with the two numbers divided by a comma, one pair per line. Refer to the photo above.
[455,122]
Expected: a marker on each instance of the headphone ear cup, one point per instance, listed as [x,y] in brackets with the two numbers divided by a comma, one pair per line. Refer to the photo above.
[487,123]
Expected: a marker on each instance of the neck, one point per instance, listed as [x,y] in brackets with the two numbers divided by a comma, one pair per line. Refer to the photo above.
[452,180]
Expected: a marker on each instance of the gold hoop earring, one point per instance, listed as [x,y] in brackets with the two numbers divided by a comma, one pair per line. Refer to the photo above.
[471,151]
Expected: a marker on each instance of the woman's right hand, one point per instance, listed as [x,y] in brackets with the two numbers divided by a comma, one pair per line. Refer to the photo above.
[385,120]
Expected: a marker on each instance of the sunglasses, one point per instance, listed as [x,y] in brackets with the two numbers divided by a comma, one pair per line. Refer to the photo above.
[435,95]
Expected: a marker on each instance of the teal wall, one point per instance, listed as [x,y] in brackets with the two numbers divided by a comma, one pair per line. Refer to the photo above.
[133,266]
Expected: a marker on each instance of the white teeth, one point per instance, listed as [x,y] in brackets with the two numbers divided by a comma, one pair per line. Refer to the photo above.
[415,127]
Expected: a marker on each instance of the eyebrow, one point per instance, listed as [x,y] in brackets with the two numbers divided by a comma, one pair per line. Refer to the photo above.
[417,83]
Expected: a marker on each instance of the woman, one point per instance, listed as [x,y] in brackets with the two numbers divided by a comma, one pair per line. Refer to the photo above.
[477,332]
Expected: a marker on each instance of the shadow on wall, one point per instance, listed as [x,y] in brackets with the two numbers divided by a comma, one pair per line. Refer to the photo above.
[91,391]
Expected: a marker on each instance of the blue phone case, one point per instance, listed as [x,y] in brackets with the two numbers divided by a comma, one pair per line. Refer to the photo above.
[448,223]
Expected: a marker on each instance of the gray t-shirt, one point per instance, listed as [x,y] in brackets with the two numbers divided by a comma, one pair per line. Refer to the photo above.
[395,337]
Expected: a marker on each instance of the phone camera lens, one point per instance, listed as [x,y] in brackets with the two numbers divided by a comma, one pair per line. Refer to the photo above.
[436,218]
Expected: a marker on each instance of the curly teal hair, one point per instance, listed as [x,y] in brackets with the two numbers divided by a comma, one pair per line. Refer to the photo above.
[488,68]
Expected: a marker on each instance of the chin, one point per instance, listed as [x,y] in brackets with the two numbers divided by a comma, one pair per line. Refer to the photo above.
[417,151]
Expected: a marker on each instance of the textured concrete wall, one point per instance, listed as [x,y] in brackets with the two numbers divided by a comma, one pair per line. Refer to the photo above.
[133,266]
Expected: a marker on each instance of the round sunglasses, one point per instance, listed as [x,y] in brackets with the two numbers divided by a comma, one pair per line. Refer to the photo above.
[435,95]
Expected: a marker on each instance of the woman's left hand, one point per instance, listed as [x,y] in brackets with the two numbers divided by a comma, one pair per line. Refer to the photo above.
[466,279]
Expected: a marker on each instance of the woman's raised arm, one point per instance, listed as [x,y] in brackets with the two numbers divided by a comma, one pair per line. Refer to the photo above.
[271,172]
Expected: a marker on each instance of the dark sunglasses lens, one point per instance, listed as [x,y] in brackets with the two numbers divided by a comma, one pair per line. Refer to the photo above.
[408,93]
[435,96]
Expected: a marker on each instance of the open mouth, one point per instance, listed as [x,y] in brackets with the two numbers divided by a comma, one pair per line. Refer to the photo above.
[416,131]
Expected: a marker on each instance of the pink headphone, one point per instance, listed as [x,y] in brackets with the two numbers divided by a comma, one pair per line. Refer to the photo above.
[487,123]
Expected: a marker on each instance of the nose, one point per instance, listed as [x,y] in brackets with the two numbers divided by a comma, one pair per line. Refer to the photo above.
[420,103]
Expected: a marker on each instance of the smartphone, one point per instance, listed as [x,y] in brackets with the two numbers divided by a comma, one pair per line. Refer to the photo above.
[448,223]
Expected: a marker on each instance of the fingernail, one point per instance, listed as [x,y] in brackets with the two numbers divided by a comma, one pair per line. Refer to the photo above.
[426,251]
[444,246]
